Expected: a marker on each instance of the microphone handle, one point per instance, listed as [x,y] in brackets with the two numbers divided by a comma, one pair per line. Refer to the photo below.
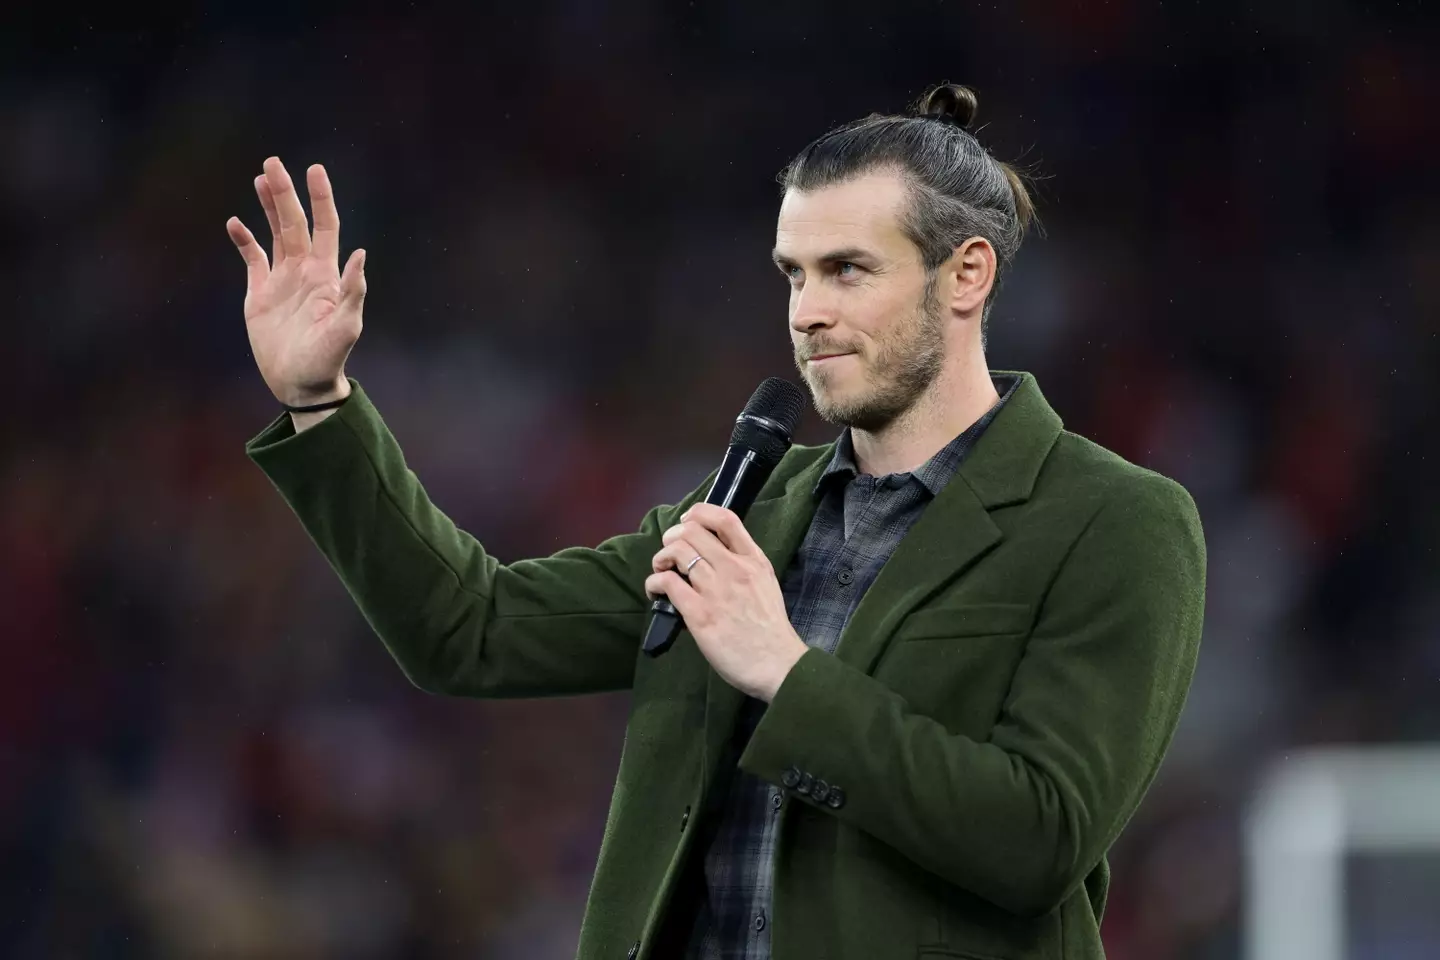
[665,625]
[742,474]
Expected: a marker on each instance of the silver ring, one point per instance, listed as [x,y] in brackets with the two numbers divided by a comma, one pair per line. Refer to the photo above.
[692,563]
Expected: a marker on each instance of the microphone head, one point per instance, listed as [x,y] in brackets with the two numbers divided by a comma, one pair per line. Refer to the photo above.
[769,420]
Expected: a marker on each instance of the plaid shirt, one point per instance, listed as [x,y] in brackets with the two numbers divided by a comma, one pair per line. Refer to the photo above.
[857,524]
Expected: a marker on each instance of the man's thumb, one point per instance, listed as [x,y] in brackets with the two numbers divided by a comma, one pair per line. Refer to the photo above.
[352,280]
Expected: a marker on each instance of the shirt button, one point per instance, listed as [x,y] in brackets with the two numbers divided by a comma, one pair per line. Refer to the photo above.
[759,921]
[845,576]
[776,800]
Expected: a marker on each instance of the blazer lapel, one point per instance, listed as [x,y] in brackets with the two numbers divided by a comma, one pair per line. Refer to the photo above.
[954,531]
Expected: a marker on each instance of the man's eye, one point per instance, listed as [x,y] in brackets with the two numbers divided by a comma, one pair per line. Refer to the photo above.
[846,264]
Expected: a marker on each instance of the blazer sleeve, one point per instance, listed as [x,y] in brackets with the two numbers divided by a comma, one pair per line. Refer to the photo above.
[455,619]
[1021,818]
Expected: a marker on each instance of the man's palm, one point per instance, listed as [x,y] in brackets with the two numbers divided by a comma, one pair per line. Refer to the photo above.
[302,314]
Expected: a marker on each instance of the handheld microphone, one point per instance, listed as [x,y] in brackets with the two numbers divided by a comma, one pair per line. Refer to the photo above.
[760,438]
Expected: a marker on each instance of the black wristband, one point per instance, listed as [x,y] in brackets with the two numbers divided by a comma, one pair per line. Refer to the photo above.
[318,406]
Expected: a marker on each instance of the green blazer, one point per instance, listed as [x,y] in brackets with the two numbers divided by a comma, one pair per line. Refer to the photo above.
[994,711]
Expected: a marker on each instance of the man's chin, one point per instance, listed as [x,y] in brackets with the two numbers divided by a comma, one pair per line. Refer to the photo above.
[834,411]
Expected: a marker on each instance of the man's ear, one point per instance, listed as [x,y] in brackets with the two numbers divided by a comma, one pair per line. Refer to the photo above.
[972,270]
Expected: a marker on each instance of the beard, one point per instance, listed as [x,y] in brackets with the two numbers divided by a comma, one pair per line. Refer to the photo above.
[906,362]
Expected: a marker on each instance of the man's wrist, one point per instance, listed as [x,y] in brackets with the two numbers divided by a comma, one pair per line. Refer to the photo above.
[783,666]
[305,420]
[339,390]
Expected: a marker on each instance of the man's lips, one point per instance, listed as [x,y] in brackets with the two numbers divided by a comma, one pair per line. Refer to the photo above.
[827,356]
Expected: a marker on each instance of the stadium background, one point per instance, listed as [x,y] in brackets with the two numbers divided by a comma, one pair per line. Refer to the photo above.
[568,209]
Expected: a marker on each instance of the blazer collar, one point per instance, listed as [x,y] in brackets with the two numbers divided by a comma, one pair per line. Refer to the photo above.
[1006,460]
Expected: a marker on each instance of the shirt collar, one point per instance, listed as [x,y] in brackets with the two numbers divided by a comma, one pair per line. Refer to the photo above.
[934,473]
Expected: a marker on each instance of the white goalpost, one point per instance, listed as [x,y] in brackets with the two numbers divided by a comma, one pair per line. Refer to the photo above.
[1312,810]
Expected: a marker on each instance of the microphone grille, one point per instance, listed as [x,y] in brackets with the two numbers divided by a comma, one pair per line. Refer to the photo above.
[778,400]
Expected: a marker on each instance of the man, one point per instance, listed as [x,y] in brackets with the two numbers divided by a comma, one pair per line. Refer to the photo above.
[922,687]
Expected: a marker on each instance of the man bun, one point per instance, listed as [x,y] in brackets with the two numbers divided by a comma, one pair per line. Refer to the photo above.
[951,102]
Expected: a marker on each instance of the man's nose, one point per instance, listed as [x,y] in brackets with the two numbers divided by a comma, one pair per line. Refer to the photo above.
[810,311]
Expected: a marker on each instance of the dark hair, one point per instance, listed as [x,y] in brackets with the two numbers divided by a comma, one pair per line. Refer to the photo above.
[957,189]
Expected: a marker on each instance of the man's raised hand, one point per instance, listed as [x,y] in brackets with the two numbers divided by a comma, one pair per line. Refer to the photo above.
[302,314]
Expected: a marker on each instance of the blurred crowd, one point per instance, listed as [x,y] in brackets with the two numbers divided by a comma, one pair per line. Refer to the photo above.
[567,211]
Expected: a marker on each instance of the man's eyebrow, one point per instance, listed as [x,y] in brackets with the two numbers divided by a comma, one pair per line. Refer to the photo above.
[847,254]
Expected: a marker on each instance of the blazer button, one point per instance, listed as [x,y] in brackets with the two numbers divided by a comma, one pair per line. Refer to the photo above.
[684,819]
[634,951]
[790,777]
[820,792]
[806,782]
[836,800]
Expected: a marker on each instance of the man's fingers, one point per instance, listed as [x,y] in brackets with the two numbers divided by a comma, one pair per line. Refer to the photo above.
[726,526]
[706,543]
[673,556]
[294,229]
[672,586]
[267,203]
[326,240]
[257,268]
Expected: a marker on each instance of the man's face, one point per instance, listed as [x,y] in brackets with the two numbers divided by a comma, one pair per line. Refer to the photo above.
[858,289]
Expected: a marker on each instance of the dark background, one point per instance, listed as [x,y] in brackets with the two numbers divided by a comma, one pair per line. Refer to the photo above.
[568,209]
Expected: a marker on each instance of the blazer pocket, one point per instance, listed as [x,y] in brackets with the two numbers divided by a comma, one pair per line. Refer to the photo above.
[936,953]
[967,620]
[955,664]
